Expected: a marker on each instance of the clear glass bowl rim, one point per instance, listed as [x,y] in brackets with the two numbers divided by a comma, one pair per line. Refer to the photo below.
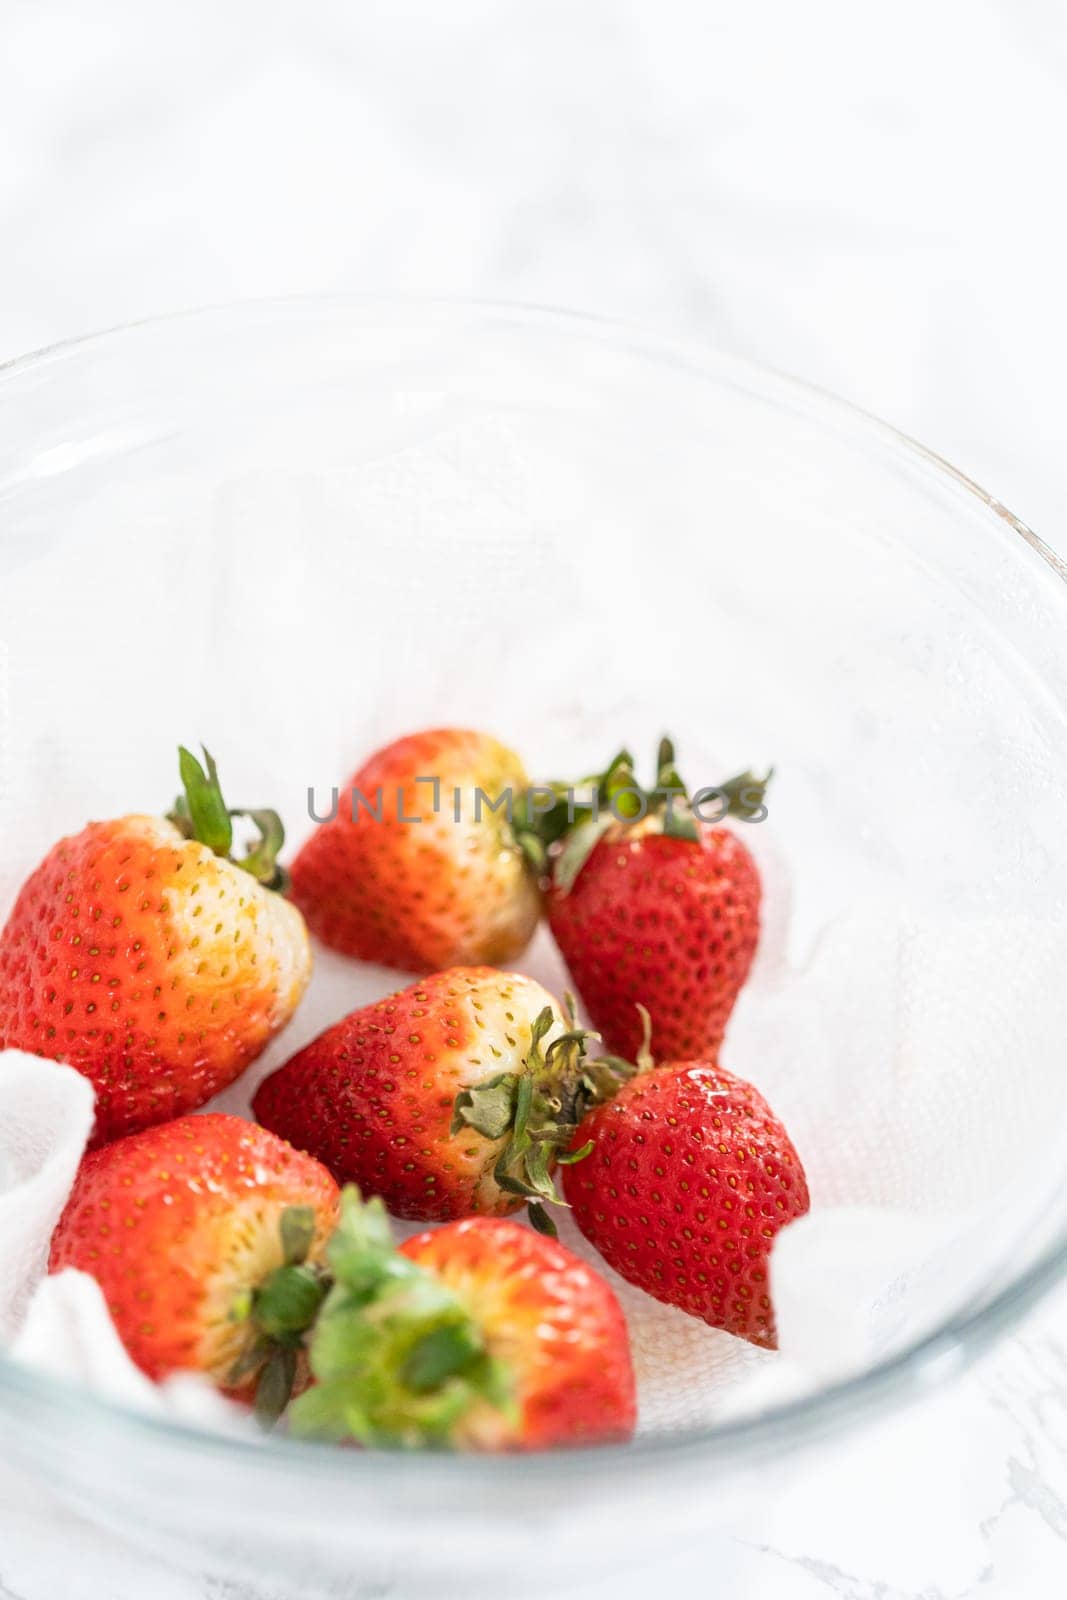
[905,1377]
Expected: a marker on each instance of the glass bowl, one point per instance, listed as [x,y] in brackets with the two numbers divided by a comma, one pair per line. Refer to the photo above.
[294,530]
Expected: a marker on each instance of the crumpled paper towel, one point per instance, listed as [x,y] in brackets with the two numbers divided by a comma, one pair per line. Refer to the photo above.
[46,1113]
[61,1325]
[934,1155]
[916,1061]
[68,1332]
[935,1143]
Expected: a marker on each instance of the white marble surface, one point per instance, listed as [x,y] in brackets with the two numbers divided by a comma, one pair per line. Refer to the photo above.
[870,197]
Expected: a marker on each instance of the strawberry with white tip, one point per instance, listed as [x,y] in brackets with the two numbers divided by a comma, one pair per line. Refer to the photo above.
[143,954]
[456,1096]
[206,1237]
[426,862]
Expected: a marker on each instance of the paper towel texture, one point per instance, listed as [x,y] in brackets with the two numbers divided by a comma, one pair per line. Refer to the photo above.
[297,552]
[925,1188]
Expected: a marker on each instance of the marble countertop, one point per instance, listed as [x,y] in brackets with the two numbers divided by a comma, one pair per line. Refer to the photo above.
[868,197]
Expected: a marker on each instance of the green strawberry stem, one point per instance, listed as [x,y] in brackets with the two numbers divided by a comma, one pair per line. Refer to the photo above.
[280,1311]
[623,1069]
[201,813]
[537,1111]
[398,1359]
[614,799]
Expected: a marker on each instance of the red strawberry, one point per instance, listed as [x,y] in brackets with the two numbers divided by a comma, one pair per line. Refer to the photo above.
[203,1235]
[141,954]
[650,905]
[690,1178]
[453,889]
[479,1335]
[455,1096]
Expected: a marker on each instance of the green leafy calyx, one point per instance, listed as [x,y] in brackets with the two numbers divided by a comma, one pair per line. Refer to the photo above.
[201,813]
[535,1112]
[614,800]
[279,1311]
[398,1359]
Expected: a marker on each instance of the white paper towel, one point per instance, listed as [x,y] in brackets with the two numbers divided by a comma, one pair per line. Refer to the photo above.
[61,1324]
[928,1187]
[46,1112]
[298,573]
[68,1332]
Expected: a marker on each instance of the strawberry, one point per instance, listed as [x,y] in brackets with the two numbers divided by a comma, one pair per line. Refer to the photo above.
[457,1095]
[651,905]
[690,1178]
[140,953]
[478,1335]
[453,887]
[204,1234]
